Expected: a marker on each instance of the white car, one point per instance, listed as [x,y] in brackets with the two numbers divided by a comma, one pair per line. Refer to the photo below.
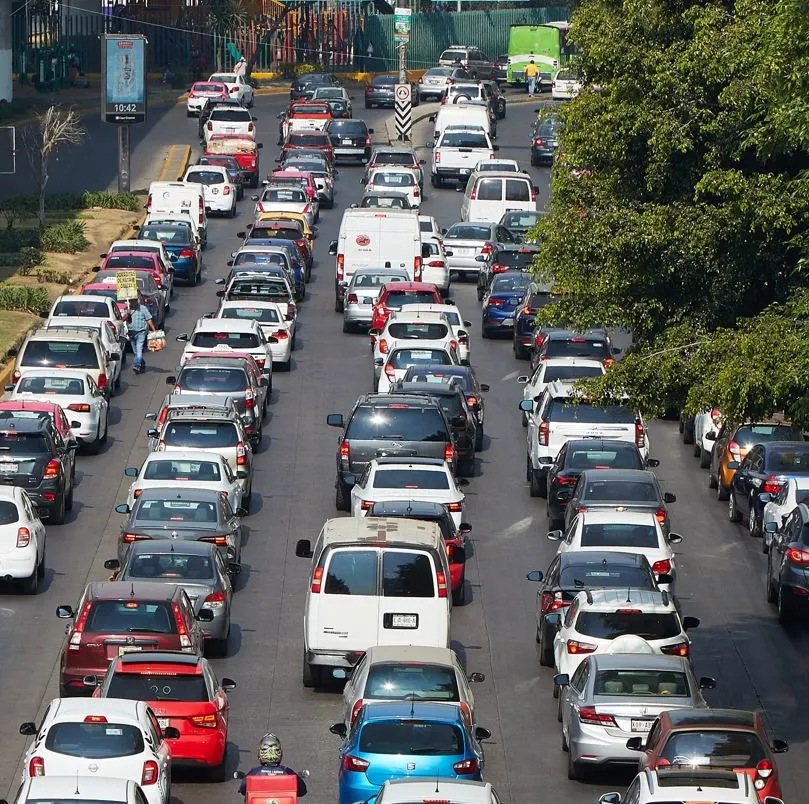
[459,326]
[90,307]
[217,190]
[434,268]
[203,469]
[285,198]
[212,335]
[427,479]
[447,791]
[508,165]
[632,532]
[690,784]
[334,93]
[108,335]
[22,540]
[199,93]
[429,227]
[794,491]
[165,218]
[403,327]
[274,323]
[618,621]
[394,179]
[108,737]
[237,87]
[78,789]
[229,120]
[556,368]
[401,358]
[565,85]
[79,396]
[707,424]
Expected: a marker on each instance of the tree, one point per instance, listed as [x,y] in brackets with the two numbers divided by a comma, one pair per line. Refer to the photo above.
[225,19]
[55,127]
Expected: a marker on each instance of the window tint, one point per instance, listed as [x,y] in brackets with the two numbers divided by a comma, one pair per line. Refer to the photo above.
[759,433]
[403,358]
[297,138]
[176,513]
[352,572]
[375,280]
[170,235]
[439,375]
[561,410]
[170,565]
[395,299]
[577,347]
[421,738]
[598,576]
[430,332]
[410,479]
[205,177]
[235,340]
[385,202]
[393,158]
[407,574]
[652,683]
[129,616]
[792,460]
[553,373]
[84,309]
[14,444]
[429,682]
[8,513]
[514,258]
[517,190]
[201,435]
[260,258]
[309,108]
[490,189]
[604,459]
[264,315]
[620,491]
[611,625]
[715,748]
[71,386]
[127,261]
[160,687]
[231,115]
[348,128]
[60,354]
[384,80]
[284,194]
[511,282]
[182,470]
[250,288]
[619,535]
[94,740]
[213,380]
[402,423]
[467,231]
[464,139]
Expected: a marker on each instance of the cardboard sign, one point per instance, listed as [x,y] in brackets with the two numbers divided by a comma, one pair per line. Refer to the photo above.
[127,285]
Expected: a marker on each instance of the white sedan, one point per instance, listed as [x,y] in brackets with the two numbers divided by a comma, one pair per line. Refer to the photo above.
[284,198]
[274,322]
[794,491]
[423,479]
[217,190]
[77,393]
[632,532]
[394,179]
[203,469]
[401,358]
[22,540]
[80,306]
[237,87]
[459,326]
[434,268]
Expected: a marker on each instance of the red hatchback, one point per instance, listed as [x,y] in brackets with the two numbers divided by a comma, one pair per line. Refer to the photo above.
[26,409]
[138,261]
[184,693]
[395,295]
[316,140]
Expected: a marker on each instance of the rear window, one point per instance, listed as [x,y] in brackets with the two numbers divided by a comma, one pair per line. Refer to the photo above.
[403,358]
[759,433]
[397,423]
[489,189]
[515,259]
[280,195]
[407,574]
[393,180]
[250,288]
[60,354]
[563,410]
[438,375]
[714,748]
[205,177]
[202,435]
[430,682]
[410,479]
[393,158]
[613,624]
[129,616]
[619,535]
[518,190]
[348,128]
[467,90]
[598,576]
[794,459]
[309,108]
[521,220]
[452,55]
[384,80]
[170,565]
[618,458]
[511,282]
[577,347]
[83,309]
[127,261]
[352,572]
[565,75]
[176,512]
[467,231]
[70,386]
[553,373]
[425,738]
[464,139]
[264,315]
[231,115]
[375,280]
[302,138]
[94,740]
[619,490]
[385,202]
[214,88]
[648,683]
[396,299]
[260,258]
[158,687]
[235,340]
[182,470]
[428,332]
[174,235]
[213,380]
[439,71]
[8,513]
[22,444]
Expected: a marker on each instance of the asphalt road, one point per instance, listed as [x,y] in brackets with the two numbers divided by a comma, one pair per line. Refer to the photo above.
[758,664]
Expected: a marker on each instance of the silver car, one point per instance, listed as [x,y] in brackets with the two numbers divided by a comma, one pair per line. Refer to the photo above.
[433,84]
[198,567]
[613,697]
[468,241]
[362,293]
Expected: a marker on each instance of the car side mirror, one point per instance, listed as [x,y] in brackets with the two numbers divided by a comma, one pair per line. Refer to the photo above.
[707,683]
[480,258]
[773,800]
[523,379]
[710,436]
[464,527]
[239,774]
[227,684]
[95,269]
[780,746]
[561,679]
[75,425]
[350,480]
[765,497]
[171,380]
[535,575]
[476,678]
[610,798]
[379,361]
[205,615]
[242,474]
[170,733]
[335,420]
[122,509]
[668,497]
[339,729]
[112,564]
[674,538]
[526,405]
[183,336]
[690,623]
[635,743]
[264,381]
[28,729]
[495,147]
[303,549]
[65,612]
[241,234]
[652,462]
[8,387]
[554,620]
[220,294]
[333,247]
[555,535]
[733,464]
[90,681]
[482,734]
[665,578]
[771,527]
[152,432]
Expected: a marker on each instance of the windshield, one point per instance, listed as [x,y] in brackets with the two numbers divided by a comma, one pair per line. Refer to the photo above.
[396,299]
[168,469]
[411,737]
[157,687]
[213,380]
[620,490]
[602,576]
[463,139]
[515,259]
[129,616]
[60,354]
[402,681]
[619,535]
[206,177]
[614,624]
[521,220]
[648,683]
[201,435]
[392,423]
[171,235]
[235,340]
[94,740]
[466,231]
[170,565]
[410,479]
[231,115]
[403,358]
[511,283]
[564,410]
[284,194]
[70,386]
[716,748]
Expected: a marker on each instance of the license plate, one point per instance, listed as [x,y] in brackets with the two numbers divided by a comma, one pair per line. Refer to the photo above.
[404,621]
[230,130]
[128,649]
[8,468]
[461,252]
[347,142]
[163,722]
[642,725]
[508,320]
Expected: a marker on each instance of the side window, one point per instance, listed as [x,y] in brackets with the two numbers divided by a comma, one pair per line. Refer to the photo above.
[552,577]
[654,735]
[228,471]
[571,531]
[188,610]
[227,511]
[220,565]
[572,611]
[358,669]
[365,476]
[579,677]
[633,793]
[562,456]
[151,731]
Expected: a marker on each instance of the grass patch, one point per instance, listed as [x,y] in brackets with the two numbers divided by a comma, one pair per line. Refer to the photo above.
[13,328]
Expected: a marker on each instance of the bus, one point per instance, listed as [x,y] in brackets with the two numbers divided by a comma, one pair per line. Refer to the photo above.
[546,44]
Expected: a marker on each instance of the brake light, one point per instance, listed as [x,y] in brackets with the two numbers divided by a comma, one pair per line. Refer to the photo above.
[566,480]
[575,648]
[661,567]
[417,269]
[773,484]
[185,254]
[79,407]
[150,773]
[735,451]
[539,142]
[588,714]
[241,454]
[185,642]
[355,710]
[471,400]
[454,508]
[52,469]
[495,302]
[497,268]
[149,203]
[474,194]
[130,538]
[533,194]
[539,339]
[764,769]
[220,540]
[466,766]
[95,719]
[466,713]
[281,334]
[317,579]
[340,267]
[36,767]
[366,505]
[136,493]
[383,346]
[210,126]
[660,516]
[345,450]
[352,299]
[15,377]
[449,453]
[102,382]
[553,602]
[488,248]
[678,649]
[390,372]
[355,764]
[454,345]
[250,127]
[544,433]
[205,721]
[436,264]
[23,537]
[367,142]
[797,556]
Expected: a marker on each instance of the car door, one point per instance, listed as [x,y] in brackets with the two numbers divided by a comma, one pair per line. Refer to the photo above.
[232,524]
[722,438]
[464,688]
[223,576]
[575,500]
[192,625]
[781,541]
[355,685]
[546,593]
[66,456]
[234,490]
[34,522]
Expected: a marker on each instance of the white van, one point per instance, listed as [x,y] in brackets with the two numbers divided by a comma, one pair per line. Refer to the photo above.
[490,194]
[467,115]
[375,238]
[374,581]
[179,198]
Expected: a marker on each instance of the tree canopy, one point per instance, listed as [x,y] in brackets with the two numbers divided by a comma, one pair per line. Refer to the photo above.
[679,204]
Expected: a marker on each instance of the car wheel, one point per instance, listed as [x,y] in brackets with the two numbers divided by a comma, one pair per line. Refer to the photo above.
[484,333]
[537,482]
[545,651]
[555,691]
[338,306]
[217,648]
[712,482]
[436,181]
[520,352]
[30,585]
[722,492]
[232,212]
[565,747]
[734,514]
[688,431]
[559,710]
[58,518]
[246,498]
[346,326]
[342,497]
[69,497]
[479,440]
[574,769]
[753,524]
[286,365]
[459,594]
[218,773]
[466,467]
[41,565]
[785,607]
[704,459]
[528,468]
[368,105]
[771,594]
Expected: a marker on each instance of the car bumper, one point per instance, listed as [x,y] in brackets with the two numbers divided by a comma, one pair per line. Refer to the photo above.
[452,173]
[184,270]
[194,105]
[358,314]
[381,100]
[498,320]
[281,351]
[19,564]
[89,430]
[465,264]
[220,625]
[46,498]
[431,92]
[352,153]
[196,750]
[543,155]
[593,745]
[334,658]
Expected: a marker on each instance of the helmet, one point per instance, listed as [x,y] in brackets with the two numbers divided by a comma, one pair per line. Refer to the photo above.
[269,750]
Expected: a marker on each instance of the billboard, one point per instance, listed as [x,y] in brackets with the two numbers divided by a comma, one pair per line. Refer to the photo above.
[123,84]
[401,25]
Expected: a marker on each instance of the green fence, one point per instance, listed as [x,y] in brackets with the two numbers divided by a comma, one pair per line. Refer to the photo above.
[433,33]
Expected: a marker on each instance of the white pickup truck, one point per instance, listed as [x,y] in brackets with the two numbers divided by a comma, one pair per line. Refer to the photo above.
[457,152]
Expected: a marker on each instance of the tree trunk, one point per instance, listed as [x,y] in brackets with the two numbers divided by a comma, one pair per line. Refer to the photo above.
[43,180]
[267,37]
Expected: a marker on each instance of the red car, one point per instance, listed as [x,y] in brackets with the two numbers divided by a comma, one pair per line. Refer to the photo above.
[138,261]
[29,409]
[183,692]
[729,739]
[314,140]
[113,619]
[395,295]
[318,112]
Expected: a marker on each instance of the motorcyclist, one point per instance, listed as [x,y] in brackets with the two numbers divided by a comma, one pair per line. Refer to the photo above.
[269,757]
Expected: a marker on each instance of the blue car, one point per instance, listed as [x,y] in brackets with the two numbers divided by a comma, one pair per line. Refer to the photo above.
[178,240]
[501,300]
[406,740]
[298,269]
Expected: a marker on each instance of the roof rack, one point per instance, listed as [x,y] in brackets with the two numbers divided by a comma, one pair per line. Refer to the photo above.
[196,411]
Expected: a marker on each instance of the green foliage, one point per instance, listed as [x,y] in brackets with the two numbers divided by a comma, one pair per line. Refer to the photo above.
[21,297]
[30,257]
[12,240]
[66,238]
[27,206]
[53,275]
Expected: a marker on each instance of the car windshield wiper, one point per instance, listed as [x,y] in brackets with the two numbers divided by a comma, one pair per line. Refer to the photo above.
[145,631]
[393,437]
[428,750]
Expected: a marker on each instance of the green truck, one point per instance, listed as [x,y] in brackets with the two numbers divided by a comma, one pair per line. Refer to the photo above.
[546,44]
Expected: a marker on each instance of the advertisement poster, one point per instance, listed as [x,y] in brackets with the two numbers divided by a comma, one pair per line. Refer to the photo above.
[124,84]
[127,285]
[401,25]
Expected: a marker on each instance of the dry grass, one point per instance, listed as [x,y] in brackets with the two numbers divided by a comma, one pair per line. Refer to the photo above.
[13,327]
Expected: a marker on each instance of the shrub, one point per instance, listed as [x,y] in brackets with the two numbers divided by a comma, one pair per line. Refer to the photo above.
[304,69]
[126,201]
[30,257]
[53,275]
[65,238]
[20,297]
[14,240]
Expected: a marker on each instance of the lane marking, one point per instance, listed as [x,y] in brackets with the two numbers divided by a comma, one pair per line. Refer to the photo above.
[510,376]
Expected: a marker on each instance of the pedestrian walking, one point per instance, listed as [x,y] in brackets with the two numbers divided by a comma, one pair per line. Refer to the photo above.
[140,322]
[241,66]
[531,73]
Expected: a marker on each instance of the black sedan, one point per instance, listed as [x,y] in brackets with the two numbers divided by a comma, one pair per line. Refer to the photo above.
[545,139]
[763,472]
[788,565]
[381,92]
[303,87]
[505,259]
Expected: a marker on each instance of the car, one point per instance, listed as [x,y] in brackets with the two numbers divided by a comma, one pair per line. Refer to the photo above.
[317,140]
[122,738]
[457,151]
[514,258]
[396,672]
[277,325]
[497,98]
[116,618]
[565,85]
[433,84]
[634,532]
[400,358]
[473,93]
[304,86]
[594,344]
[248,285]
[500,302]
[77,395]
[500,67]
[395,296]
[22,541]
[303,116]
[78,306]
[429,479]
[763,471]
[237,85]
[105,285]
[379,92]
[787,560]
[618,621]
[778,506]
[422,425]
[350,139]
[197,567]
[362,293]
[449,313]
[107,334]
[611,698]
[384,199]
[471,59]
[406,791]
[218,190]
[143,262]
[521,222]
[281,198]
[731,445]
[569,572]
[423,740]
[321,171]
[545,139]
[578,455]
[206,106]
[230,120]
[90,789]
[706,421]
[397,156]
[182,690]
[622,490]
[330,93]
[180,243]
[553,369]
[467,241]
[198,233]
[231,165]
[388,178]
[727,739]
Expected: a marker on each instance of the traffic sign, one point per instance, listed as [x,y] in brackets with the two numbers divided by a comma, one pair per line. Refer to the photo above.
[403,110]
[403,92]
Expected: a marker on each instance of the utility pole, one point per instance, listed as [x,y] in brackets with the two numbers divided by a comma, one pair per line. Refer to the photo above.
[403,91]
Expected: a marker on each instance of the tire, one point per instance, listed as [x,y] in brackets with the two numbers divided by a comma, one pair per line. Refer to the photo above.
[772,595]
[722,492]
[436,181]
[285,366]
[59,517]
[753,524]
[217,648]
[479,440]
[734,514]
[368,105]
[704,459]
[466,467]
[30,585]
[565,747]
[520,352]
[555,691]
[218,773]
[688,431]
[559,710]
[41,565]
[232,212]
[192,282]
[338,306]
[785,607]
[545,651]
[712,482]
[538,487]
[346,327]
[246,500]
[528,468]
[574,769]
[484,333]
[459,594]
[342,497]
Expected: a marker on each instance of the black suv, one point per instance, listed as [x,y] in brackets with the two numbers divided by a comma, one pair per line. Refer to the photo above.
[350,140]
[450,396]
[35,457]
[594,344]
[383,425]
[516,258]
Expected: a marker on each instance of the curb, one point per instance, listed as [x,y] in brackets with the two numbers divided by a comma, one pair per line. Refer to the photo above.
[176,154]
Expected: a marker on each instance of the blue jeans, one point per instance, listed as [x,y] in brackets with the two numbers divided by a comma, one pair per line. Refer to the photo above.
[532,84]
[138,341]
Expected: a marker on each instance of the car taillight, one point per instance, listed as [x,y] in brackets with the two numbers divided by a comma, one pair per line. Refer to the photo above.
[250,127]
[345,450]
[544,433]
[352,299]
[185,254]
[281,334]
[715,414]
[441,583]
[366,505]
[436,264]
[23,537]
[566,480]
[735,451]
[150,773]
[101,382]
[495,302]
[764,769]
[241,454]
[574,647]
[449,453]
[553,602]
[773,484]
[416,193]
[497,268]
[136,493]
[367,90]
[15,377]
[488,248]
[466,766]
[390,372]
[539,142]
[383,346]
[417,269]
[36,767]
[661,567]
[797,556]
[205,721]
[131,538]
[454,507]
[678,649]
[640,435]
[472,401]
[226,191]
[185,642]
[660,516]
[234,89]
[210,126]
[588,714]
[308,207]
[317,579]
[301,243]
[52,469]
[539,339]
[367,142]
[249,398]
[533,194]
[341,260]
[164,411]
[454,345]
[351,763]
[78,627]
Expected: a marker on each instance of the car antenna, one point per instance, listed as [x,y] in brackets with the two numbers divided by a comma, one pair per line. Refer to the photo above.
[413,705]
[437,780]
[78,792]
[132,590]
[628,594]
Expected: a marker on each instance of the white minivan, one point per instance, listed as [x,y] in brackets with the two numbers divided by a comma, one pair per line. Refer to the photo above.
[374,581]
[489,195]
[179,198]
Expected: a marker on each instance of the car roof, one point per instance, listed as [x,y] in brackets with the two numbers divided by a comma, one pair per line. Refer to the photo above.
[166,546]
[682,718]
[697,783]
[29,404]
[160,657]
[78,788]
[619,475]
[381,531]
[426,463]
[572,361]
[172,492]
[388,286]
[408,654]
[411,710]
[638,661]
[598,443]
[224,324]
[428,388]
[80,708]
[613,599]
[135,590]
